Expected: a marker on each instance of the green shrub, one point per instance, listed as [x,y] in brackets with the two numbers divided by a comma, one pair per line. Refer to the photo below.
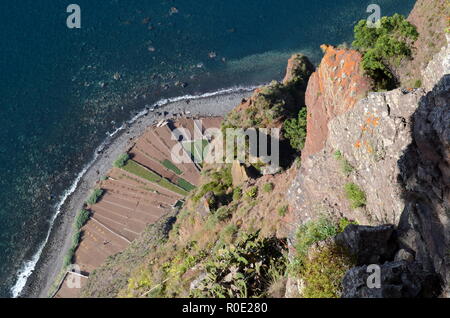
[223,213]
[283,210]
[418,84]
[384,47]
[323,267]
[338,155]
[313,232]
[294,130]
[81,219]
[122,160]
[95,196]
[228,233]
[68,259]
[355,195]
[76,239]
[346,167]
[268,187]
[251,192]
[237,194]
[323,273]
[221,182]
[343,223]
[242,269]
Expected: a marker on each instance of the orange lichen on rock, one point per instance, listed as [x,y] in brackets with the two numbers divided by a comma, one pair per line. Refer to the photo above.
[336,86]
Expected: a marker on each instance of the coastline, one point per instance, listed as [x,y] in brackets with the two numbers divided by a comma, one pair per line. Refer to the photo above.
[49,259]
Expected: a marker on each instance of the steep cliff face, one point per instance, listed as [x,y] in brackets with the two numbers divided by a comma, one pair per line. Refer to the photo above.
[231,224]
[392,147]
[271,105]
[425,176]
[332,90]
[372,158]
[431,19]
[369,141]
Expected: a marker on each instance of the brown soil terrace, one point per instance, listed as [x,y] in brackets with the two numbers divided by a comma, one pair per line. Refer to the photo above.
[130,203]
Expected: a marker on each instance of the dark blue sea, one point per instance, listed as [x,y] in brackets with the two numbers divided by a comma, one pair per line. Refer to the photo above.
[59,98]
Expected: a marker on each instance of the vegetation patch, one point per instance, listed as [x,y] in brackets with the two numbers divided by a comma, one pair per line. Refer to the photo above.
[76,238]
[244,269]
[323,272]
[384,47]
[237,194]
[355,195]
[225,212]
[346,167]
[294,130]
[251,193]
[221,181]
[95,196]
[81,219]
[268,187]
[171,166]
[228,233]
[185,185]
[122,160]
[283,210]
[313,232]
[418,84]
[144,173]
[319,262]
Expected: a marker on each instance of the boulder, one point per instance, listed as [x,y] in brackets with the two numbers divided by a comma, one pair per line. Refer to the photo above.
[369,245]
[238,173]
[397,280]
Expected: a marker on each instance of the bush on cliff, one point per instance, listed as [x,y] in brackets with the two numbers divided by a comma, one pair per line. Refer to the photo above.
[295,130]
[245,269]
[324,270]
[319,262]
[384,47]
[355,195]
[221,181]
[122,160]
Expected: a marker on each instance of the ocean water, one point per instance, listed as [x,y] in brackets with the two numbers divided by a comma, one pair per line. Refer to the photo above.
[59,99]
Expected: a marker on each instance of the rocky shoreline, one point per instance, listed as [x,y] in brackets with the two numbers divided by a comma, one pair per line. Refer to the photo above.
[49,266]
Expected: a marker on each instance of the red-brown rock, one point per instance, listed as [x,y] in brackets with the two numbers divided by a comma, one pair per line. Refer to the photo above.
[332,90]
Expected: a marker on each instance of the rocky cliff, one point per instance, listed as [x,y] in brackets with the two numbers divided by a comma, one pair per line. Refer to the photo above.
[431,19]
[394,147]
[333,89]
[372,188]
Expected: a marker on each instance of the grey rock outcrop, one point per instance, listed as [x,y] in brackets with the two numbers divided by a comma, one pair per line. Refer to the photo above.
[397,280]
[398,145]
[369,245]
[437,68]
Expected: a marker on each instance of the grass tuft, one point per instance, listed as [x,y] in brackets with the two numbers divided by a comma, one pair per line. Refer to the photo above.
[355,195]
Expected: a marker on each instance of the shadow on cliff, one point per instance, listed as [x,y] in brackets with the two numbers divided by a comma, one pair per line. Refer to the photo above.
[423,228]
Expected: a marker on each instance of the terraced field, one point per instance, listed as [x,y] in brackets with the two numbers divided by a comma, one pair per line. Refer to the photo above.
[148,186]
